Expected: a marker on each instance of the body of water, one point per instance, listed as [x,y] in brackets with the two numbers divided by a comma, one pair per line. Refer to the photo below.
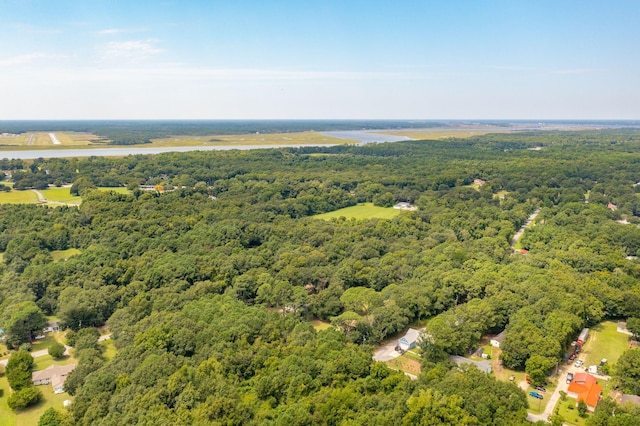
[128,150]
[365,137]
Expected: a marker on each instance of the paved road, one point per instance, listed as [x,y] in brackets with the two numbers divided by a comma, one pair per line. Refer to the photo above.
[37,354]
[520,232]
[386,352]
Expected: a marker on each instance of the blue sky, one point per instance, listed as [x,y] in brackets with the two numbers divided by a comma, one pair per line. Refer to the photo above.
[472,59]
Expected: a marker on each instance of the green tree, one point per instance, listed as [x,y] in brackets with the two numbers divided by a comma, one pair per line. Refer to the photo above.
[19,369]
[628,371]
[431,408]
[582,408]
[56,350]
[633,325]
[25,319]
[537,367]
[51,417]
[24,398]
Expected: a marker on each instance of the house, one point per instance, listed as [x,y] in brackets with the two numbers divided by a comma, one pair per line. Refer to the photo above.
[484,366]
[584,388]
[54,374]
[51,326]
[403,205]
[410,340]
[497,340]
[612,207]
[631,399]
[479,182]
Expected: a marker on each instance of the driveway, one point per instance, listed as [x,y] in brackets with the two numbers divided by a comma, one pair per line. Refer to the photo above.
[386,352]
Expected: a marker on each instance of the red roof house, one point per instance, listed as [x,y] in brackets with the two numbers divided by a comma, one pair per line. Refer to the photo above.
[584,388]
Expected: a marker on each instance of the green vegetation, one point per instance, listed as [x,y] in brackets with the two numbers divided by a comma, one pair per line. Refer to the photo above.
[361,211]
[64,254]
[605,342]
[569,412]
[60,195]
[18,197]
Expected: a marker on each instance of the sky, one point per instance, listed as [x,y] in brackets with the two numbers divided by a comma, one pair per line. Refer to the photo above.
[330,59]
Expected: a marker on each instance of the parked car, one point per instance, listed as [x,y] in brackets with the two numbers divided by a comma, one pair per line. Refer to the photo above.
[569,377]
[541,388]
[579,363]
[535,395]
[573,356]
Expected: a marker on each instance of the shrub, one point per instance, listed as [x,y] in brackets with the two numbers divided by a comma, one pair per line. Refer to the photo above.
[24,398]
[56,350]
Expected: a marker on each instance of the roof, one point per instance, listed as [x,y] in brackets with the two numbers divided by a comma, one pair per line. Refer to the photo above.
[634,399]
[499,337]
[412,335]
[52,370]
[585,386]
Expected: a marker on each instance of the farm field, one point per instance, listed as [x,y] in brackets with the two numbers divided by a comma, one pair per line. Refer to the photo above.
[300,138]
[361,211]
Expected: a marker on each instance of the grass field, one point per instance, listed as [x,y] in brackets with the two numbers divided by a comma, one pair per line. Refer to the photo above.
[361,211]
[18,197]
[64,254]
[109,349]
[300,138]
[605,342]
[320,325]
[60,195]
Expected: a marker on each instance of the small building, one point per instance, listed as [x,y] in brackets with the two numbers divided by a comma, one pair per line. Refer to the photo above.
[496,341]
[612,207]
[54,374]
[631,399]
[403,205]
[584,387]
[410,340]
[479,182]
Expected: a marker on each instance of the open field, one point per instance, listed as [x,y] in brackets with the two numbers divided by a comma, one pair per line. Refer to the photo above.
[60,195]
[56,196]
[18,197]
[42,140]
[431,134]
[252,139]
[605,342]
[64,254]
[320,325]
[361,211]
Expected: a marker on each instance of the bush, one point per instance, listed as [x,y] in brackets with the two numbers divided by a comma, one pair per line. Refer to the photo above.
[25,347]
[582,408]
[24,398]
[51,417]
[56,350]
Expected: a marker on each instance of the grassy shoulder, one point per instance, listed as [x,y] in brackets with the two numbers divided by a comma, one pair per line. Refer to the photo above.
[361,211]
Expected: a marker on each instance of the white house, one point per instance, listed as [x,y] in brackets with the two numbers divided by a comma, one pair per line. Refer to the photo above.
[496,341]
[403,205]
[410,340]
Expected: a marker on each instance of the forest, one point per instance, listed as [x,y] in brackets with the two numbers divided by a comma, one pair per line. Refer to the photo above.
[208,282]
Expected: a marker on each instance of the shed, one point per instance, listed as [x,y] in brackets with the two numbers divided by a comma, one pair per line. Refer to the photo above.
[410,340]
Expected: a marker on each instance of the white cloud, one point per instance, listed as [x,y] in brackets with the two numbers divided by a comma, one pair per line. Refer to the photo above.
[21,59]
[132,50]
[114,31]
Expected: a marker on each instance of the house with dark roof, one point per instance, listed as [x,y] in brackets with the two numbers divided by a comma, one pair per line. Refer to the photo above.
[496,341]
[584,387]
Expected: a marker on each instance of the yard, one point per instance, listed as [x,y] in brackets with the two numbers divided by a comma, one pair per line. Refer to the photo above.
[320,325]
[361,211]
[605,342]
[569,412]
[18,197]
[407,362]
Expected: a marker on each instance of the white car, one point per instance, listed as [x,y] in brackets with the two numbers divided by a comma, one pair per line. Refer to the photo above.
[579,363]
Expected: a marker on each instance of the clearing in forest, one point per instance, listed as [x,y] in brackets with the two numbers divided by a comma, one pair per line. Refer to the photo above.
[361,211]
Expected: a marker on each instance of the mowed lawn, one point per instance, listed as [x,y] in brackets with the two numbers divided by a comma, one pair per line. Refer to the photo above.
[605,342]
[18,197]
[64,254]
[361,211]
[299,138]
